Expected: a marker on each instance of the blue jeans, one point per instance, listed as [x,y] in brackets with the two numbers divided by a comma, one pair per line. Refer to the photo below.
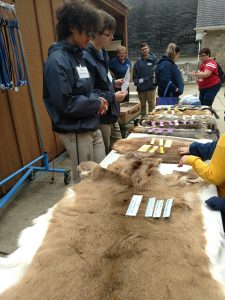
[208,95]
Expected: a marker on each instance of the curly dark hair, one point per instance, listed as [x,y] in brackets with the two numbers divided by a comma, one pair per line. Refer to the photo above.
[78,14]
[108,21]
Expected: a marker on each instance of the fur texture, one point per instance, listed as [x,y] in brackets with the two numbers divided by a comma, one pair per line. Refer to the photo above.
[93,251]
[170,155]
[183,133]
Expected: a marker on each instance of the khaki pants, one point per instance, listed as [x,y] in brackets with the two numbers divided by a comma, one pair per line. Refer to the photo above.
[83,147]
[148,96]
[110,133]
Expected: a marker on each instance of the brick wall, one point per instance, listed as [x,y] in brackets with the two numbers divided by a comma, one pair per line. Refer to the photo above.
[215,41]
[161,22]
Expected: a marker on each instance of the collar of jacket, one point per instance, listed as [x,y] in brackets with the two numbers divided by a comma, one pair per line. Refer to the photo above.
[164,58]
[147,58]
[97,53]
[72,48]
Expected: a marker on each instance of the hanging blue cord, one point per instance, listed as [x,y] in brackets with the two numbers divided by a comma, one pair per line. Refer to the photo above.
[2,85]
[4,56]
[5,53]
[4,61]
[23,77]
[11,26]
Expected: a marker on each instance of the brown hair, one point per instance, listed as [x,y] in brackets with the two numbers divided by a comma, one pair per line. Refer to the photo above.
[205,51]
[108,21]
[144,44]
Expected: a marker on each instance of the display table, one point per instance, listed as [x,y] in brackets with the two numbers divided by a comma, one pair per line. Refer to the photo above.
[215,240]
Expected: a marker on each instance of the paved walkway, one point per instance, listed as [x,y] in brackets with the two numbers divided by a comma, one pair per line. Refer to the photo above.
[39,195]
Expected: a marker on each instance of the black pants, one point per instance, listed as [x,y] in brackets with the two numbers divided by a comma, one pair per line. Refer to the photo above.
[208,95]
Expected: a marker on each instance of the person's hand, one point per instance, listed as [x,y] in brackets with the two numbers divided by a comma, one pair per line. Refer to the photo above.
[103,106]
[182,161]
[216,203]
[119,96]
[183,150]
[193,73]
[118,83]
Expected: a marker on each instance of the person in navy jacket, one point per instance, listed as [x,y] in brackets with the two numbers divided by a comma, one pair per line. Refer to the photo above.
[68,93]
[97,61]
[119,65]
[144,78]
[167,71]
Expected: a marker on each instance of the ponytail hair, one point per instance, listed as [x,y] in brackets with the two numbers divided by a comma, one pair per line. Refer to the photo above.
[172,50]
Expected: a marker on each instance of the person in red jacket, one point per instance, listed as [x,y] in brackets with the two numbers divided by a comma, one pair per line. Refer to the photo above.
[207,77]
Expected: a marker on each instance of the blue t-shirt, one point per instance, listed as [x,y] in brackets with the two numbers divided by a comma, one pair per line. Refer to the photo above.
[118,68]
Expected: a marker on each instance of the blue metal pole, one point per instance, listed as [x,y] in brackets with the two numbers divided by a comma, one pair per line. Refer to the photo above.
[6,198]
[48,170]
[21,170]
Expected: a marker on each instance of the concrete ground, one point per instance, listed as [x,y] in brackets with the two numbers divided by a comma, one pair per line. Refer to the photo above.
[37,196]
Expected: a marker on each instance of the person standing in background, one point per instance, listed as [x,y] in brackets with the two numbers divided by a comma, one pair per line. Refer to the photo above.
[167,71]
[119,65]
[207,77]
[144,77]
[67,87]
[97,60]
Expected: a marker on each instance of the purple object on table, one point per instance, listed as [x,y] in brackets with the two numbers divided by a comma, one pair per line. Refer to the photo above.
[159,130]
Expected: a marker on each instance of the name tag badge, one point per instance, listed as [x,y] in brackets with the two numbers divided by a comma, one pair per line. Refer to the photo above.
[83,72]
[141,80]
[149,64]
[110,77]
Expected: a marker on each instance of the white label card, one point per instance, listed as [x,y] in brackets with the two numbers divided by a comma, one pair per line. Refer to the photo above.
[134,205]
[152,141]
[168,143]
[110,77]
[141,80]
[126,81]
[83,72]
[150,207]
[167,209]
[160,142]
[144,148]
[154,149]
[158,209]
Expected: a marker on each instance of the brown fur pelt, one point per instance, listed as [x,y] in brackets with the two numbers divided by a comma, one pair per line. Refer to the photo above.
[183,133]
[184,110]
[207,122]
[93,251]
[170,155]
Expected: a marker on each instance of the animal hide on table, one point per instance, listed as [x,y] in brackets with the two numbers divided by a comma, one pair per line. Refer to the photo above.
[185,121]
[93,251]
[184,110]
[170,155]
[183,133]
